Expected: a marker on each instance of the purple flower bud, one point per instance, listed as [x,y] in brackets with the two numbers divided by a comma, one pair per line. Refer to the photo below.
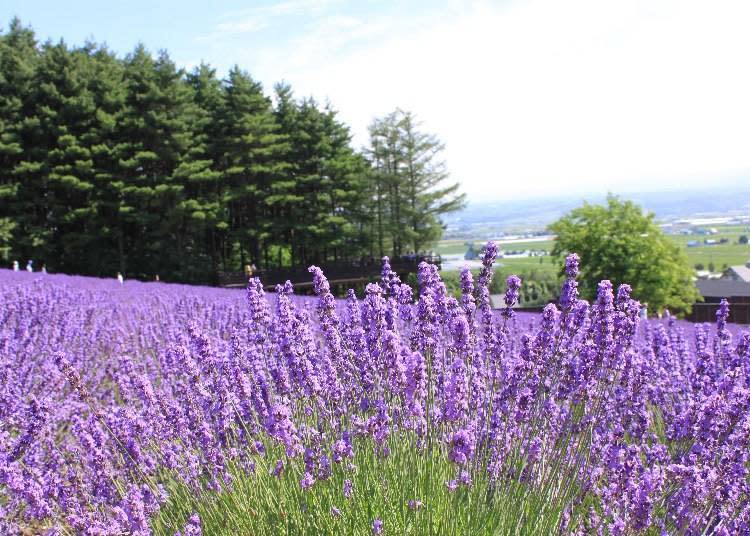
[462,447]
[571,265]
[320,283]
[348,489]
[414,504]
[513,284]
[490,253]
[192,527]
[307,481]
[278,469]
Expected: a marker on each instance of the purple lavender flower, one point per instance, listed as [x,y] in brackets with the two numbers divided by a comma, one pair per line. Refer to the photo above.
[377,527]
[569,292]
[307,481]
[460,330]
[192,527]
[348,489]
[278,468]
[342,448]
[320,283]
[572,262]
[104,393]
[456,399]
[511,294]
[490,253]
[462,447]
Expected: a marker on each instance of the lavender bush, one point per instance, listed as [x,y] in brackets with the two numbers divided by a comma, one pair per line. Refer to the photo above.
[151,408]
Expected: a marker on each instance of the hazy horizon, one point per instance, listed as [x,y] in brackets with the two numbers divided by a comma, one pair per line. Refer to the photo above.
[739,187]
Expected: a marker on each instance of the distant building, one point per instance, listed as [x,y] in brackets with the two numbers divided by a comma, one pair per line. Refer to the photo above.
[713,290]
[705,274]
[738,273]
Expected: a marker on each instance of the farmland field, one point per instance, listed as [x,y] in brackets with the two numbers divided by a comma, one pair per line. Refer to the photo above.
[151,408]
[720,255]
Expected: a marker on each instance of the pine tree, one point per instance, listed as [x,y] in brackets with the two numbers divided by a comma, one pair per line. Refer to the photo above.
[19,180]
[426,194]
[66,112]
[252,162]
[408,184]
[131,165]
[107,87]
[324,191]
[152,138]
[203,215]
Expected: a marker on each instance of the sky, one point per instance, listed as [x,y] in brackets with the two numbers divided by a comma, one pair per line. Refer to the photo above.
[532,98]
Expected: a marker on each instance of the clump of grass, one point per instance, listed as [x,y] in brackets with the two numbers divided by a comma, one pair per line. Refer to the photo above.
[408,490]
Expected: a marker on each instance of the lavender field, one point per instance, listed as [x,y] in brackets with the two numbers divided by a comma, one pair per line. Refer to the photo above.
[167,409]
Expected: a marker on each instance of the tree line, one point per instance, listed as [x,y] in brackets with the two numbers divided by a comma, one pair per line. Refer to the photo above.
[133,164]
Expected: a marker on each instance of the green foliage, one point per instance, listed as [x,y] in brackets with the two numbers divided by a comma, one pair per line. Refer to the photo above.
[408,185]
[617,241]
[539,286]
[6,234]
[260,503]
[133,165]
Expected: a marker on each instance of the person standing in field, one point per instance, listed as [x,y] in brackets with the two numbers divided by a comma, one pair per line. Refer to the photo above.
[30,266]
[120,279]
[44,268]
[16,267]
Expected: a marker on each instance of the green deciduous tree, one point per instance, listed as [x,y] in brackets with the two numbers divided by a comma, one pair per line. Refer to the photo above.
[619,242]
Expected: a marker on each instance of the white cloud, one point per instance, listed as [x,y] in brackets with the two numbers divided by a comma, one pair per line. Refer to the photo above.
[252,23]
[542,96]
[262,17]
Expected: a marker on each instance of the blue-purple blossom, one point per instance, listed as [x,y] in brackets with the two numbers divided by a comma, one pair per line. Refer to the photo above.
[513,284]
[109,397]
[348,489]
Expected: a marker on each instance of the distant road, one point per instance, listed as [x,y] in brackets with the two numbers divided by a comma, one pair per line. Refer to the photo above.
[457,261]
[513,240]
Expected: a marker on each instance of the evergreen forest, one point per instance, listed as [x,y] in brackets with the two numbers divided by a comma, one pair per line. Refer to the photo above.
[130,163]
